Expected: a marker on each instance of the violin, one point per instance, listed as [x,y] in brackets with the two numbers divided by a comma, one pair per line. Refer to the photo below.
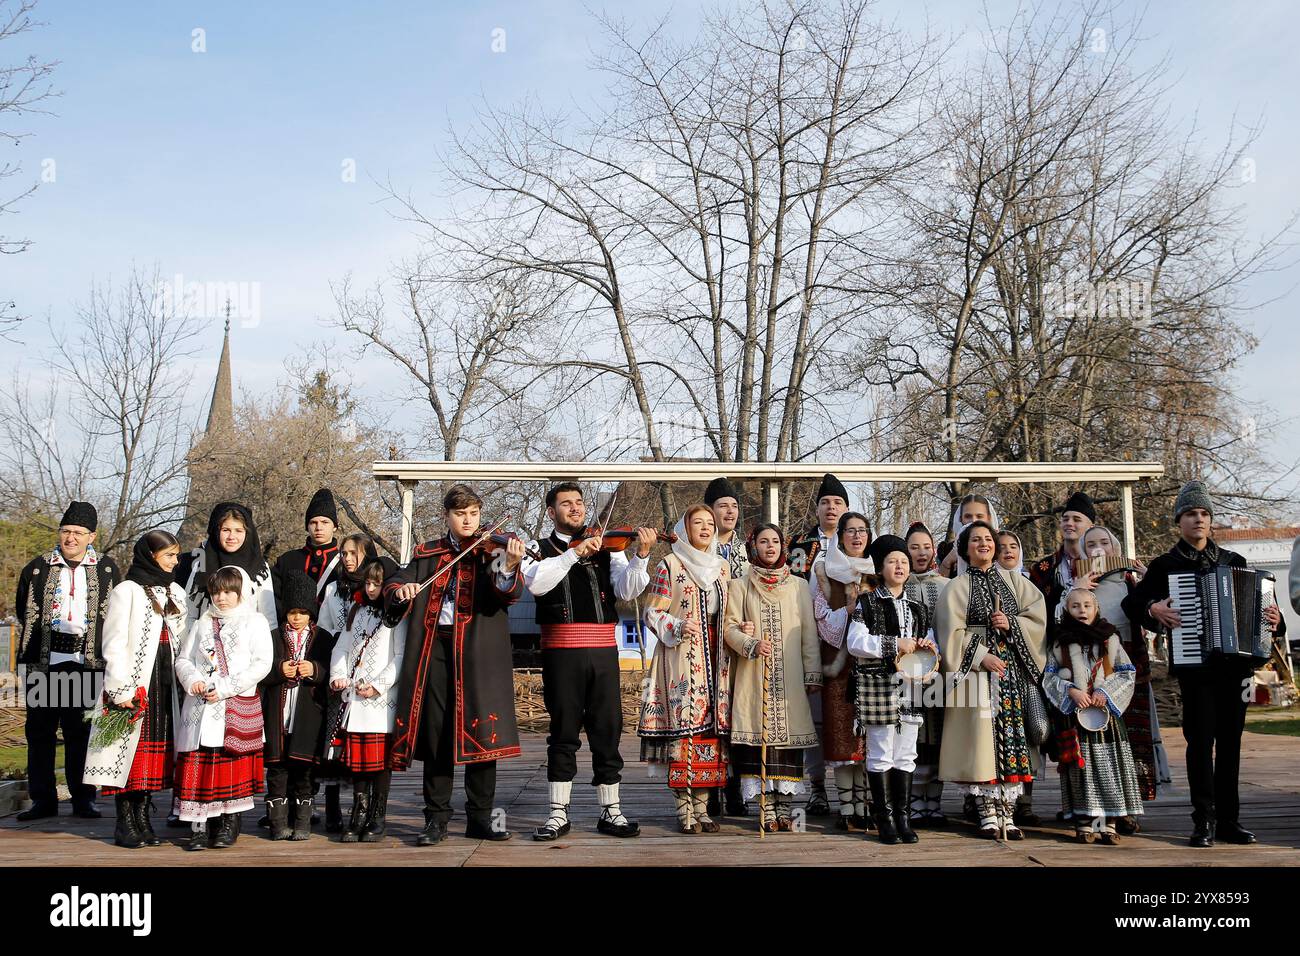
[616,538]
[497,542]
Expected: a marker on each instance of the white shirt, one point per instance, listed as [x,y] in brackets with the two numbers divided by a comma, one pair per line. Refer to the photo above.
[630,576]
[447,613]
[72,612]
[297,639]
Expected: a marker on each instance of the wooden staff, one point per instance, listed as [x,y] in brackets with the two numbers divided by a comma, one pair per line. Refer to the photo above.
[1002,820]
[762,748]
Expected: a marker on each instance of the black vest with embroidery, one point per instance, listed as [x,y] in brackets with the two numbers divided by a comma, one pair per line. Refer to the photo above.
[585,596]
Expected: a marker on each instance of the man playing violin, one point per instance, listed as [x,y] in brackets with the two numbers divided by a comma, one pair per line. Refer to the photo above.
[576,583]
[456,702]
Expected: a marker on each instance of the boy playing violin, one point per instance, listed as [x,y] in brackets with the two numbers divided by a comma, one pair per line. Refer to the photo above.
[576,585]
[456,701]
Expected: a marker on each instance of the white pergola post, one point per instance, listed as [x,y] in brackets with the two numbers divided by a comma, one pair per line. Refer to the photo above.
[408,518]
[772,501]
[1130,530]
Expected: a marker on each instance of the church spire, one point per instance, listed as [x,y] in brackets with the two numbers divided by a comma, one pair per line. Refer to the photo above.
[221,413]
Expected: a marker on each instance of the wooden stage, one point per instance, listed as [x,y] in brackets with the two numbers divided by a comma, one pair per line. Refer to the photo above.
[1270,796]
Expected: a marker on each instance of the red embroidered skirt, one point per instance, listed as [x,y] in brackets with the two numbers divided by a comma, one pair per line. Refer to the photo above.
[366,753]
[154,763]
[210,775]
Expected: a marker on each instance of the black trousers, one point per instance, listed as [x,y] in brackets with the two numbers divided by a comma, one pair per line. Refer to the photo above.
[1214,715]
[47,711]
[580,687]
[289,778]
[437,743]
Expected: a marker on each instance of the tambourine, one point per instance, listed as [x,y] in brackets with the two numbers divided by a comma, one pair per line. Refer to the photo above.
[918,666]
[1092,718]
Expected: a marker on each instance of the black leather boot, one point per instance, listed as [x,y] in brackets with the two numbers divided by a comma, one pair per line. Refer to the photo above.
[126,832]
[900,792]
[434,832]
[228,827]
[333,813]
[881,809]
[360,810]
[736,806]
[143,805]
[1203,835]
[376,819]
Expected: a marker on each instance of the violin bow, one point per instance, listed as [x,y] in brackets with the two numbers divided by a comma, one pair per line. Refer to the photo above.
[492,530]
[609,513]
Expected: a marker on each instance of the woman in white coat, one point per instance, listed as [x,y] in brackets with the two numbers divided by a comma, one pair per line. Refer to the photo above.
[219,739]
[364,666]
[144,620]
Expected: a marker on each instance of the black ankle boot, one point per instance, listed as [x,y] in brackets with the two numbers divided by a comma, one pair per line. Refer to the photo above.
[376,819]
[360,810]
[227,830]
[126,832]
[333,813]
[900,791]
[881,809]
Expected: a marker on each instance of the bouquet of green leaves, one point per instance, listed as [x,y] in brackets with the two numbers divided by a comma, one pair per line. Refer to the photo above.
[116,722]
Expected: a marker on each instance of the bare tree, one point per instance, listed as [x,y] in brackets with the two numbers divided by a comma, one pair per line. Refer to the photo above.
[23,87]
[105,421]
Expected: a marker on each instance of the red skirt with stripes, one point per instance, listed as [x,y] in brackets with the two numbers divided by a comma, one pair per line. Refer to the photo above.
[152,768]
[210,775]
[366,753]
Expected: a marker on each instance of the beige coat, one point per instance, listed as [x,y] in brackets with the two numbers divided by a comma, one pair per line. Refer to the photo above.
[966,753]
[786,618]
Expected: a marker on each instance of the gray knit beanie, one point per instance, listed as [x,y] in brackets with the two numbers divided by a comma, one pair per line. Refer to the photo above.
[1193,495]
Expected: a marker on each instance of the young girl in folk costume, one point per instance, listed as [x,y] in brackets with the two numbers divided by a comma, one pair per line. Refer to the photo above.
[886,624]
[224,656]
[686,704]
[231,542]
[924,585]
[1140,720]
[840,574]
[143,623]
[1088,668]
[355,551]
[990,626]
[363,670]
[1011,552]
[772,628]
[293,708]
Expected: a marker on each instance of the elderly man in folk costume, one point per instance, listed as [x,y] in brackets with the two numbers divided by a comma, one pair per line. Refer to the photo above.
[723,499]
[924,585]
[842,572]
[1214,694]
[686,701]
[61,603]
[832,501]
[772,629]
[991,626]
[456,697]
[576,587]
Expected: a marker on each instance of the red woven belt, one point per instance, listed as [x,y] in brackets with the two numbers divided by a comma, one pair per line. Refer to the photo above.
[578,635]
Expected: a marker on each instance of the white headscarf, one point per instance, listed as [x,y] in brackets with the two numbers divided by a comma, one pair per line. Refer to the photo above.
[703,566]
[844,568]
[955,528]
[245,605]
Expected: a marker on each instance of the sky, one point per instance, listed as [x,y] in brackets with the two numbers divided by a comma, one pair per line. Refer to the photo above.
[228,164]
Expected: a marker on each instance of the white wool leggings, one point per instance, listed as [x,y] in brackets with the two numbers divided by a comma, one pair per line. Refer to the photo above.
[892,747]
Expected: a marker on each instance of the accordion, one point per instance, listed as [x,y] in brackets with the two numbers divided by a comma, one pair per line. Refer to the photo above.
[1222,609]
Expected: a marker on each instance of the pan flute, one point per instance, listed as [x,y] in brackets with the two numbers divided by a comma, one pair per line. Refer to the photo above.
[1103,564]
[1222,609]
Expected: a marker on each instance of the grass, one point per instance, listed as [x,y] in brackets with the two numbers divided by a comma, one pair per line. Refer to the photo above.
[1283,728]
[13,762]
